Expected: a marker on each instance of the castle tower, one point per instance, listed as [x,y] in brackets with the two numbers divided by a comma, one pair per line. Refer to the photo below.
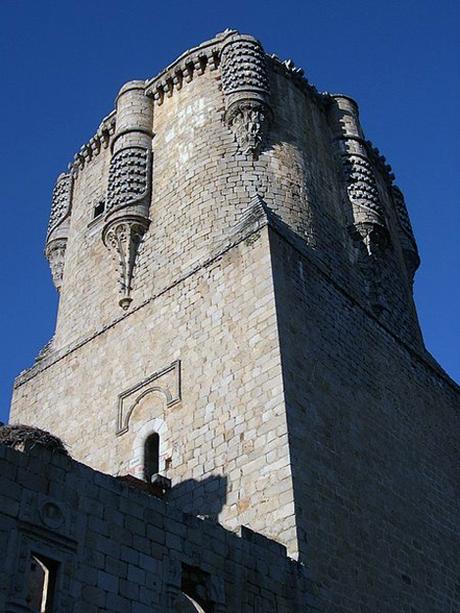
[235,268]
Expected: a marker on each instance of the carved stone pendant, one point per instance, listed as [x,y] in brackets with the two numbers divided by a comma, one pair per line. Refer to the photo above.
[55,253]
[123,239]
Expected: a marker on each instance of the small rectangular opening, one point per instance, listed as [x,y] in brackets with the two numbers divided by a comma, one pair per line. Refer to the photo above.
[99,208]
[41,583]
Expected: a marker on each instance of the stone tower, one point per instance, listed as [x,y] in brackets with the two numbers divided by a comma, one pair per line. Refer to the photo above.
[235,268]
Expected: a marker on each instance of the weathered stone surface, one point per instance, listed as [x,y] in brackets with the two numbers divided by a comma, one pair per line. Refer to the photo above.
[270,339]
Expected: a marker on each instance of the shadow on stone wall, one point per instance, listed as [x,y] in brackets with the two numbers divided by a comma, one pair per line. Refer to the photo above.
[204,498]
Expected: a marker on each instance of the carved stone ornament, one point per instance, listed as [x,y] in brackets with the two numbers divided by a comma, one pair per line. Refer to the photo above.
[123,238]
[246,90]
[129,177]
[58,227]
[61,202]
[129,183]
[248,121]
[55,253]
[373,236]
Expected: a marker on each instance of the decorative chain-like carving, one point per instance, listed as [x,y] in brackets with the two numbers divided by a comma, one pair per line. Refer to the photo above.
[361,185]
[244,66]
[123,239]
[61,201]
[129,177]
[246,90]
[58,227]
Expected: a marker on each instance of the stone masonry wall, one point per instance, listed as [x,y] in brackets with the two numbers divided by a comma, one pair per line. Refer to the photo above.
[272,340]
[372,434]
[219,410]
[119,549]
[202,183]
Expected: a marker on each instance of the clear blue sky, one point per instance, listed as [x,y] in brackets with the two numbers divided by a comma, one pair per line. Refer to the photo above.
[62,62]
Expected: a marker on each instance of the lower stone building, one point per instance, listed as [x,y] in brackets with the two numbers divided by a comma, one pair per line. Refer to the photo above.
[77,540]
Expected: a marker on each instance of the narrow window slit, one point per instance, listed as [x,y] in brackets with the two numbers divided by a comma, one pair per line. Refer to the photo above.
[151,456]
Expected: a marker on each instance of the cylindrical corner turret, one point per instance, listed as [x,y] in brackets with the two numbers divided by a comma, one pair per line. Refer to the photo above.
[129,184]
[58,227]
[369,221]
[134,117]
[246,90]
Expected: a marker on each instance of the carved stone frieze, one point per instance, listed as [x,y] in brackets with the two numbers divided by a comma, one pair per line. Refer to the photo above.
[246,89]
[123,238]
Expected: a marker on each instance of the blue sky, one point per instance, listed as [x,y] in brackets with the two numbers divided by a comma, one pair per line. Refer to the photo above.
[62,62]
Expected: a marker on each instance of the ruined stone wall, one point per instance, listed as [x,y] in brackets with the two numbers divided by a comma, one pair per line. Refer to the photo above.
[372,435]
[116,548]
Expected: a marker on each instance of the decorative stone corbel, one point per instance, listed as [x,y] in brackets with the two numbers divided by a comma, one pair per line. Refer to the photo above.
[58,227]
[129,186]
[123,238]
[246,91]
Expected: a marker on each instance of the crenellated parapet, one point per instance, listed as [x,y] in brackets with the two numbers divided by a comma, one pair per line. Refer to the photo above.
[129,183]
[97,143]
[58,227]
[194,62]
